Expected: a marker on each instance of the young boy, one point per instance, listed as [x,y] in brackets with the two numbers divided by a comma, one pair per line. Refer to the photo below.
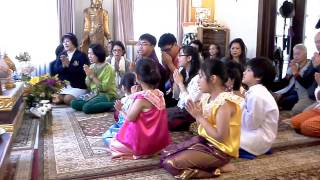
[260,113]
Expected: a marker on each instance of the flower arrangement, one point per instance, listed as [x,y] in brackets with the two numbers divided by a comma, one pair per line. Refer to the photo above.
[26,68]
[42,87]
[24,57]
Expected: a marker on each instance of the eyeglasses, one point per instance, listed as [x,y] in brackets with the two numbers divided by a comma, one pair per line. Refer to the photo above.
[167,49]
[117,50]
[183,55]
[143,44]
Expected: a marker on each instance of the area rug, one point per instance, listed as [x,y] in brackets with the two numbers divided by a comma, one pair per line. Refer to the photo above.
[25,137]
[300,163]
[21,162]
[21,154]
[73,147]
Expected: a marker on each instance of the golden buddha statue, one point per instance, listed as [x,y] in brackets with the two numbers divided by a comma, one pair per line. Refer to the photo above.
[96,25]
[7,68]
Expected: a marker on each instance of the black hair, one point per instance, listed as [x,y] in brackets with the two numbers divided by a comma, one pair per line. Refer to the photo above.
[72,38]
[243,50]
[148,37]
[59,50]
[234,72]
[166,39]
[198,43]
[128,80]
[195,63]
[263,68]
[120,44]
[98,51]
[148,72]
[217,68]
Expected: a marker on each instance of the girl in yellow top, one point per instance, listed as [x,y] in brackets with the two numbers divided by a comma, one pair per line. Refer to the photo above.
[219,116]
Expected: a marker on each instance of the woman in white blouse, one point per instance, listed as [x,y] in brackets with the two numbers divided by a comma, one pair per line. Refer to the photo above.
[185,87]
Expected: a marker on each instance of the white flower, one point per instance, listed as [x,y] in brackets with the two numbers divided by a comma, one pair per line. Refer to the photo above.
[43,110]
[48,106]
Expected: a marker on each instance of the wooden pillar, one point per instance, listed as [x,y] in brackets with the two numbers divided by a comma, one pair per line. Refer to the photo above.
[266,28]
[298,23]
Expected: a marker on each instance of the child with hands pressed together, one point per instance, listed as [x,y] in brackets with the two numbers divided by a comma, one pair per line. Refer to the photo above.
[218,115]
[260,113]
[145,130]
[127,84]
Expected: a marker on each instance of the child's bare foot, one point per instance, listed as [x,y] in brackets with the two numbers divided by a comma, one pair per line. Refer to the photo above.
[228,168]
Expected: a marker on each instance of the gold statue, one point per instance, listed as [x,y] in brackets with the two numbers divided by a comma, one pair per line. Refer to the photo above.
[96,25]
[7,68]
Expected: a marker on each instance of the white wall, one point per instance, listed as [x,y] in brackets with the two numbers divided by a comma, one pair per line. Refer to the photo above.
[80,5]
[241,17]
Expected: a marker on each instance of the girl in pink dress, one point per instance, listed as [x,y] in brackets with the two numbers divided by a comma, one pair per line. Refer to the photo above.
[145,130]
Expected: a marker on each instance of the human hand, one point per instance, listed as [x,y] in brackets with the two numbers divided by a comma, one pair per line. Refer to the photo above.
[195,109]
[166,59]
[294,67]
[65,60]
[89,72]
[118,105]
[317,78]
[177,77]
[316,59]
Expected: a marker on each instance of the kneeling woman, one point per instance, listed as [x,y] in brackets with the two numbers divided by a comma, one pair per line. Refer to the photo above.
[219,118]
[100,81]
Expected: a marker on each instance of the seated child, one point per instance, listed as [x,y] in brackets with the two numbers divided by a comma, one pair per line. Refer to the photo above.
[145,129]
[219,116]
[260,113]
[128,80]
[308,122]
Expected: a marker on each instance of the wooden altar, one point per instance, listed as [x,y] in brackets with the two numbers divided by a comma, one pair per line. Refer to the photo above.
[11,115]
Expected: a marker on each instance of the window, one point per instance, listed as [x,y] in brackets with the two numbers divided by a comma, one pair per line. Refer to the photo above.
[312,17]
[154,17]
[29,26]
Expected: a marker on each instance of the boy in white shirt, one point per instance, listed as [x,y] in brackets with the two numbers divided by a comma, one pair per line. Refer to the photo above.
[259,124]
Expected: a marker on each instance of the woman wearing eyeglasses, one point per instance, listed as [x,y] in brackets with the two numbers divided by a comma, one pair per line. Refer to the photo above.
[185,87]
[119,63]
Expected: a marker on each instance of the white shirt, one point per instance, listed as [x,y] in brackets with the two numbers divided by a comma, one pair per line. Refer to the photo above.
[70,54]
[192,93]
[259,123]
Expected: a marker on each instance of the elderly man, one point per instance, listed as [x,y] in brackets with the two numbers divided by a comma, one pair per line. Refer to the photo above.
[308,122]
[301,79]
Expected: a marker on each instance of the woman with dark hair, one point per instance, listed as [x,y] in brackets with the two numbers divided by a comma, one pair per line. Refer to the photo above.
[214,51]
[185,87]
[118,62]
[237,52]
[69,67]
[100,81]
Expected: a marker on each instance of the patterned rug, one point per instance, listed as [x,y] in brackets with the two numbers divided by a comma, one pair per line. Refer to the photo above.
[74,149]
[26,135]
[21,155]
[22,164]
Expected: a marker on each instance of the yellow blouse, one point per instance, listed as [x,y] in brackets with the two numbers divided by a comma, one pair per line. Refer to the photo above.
[231,145]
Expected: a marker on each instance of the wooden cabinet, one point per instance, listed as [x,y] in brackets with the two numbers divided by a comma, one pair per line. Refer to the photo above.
[208,35]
